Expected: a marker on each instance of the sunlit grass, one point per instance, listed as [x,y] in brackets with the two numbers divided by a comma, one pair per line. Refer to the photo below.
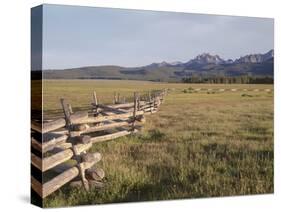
[197,145]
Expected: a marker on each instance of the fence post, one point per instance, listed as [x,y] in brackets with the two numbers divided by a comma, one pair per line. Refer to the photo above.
[118,98]
[95,103]
[66,112]
[162,96]
[138,102]
[69,108]
[149,100]
[95,98]
[135,111]
[75,153]
[115,98]
[154,102]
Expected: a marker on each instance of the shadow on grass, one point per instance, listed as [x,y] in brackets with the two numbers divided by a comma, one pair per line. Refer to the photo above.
[154,135]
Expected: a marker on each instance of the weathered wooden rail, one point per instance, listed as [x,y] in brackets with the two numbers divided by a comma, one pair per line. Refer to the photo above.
[55,143]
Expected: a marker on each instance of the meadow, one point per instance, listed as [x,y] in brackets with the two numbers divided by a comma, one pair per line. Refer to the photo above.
[199,144]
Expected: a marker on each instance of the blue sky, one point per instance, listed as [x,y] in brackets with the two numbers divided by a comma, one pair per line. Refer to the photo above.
[87,36]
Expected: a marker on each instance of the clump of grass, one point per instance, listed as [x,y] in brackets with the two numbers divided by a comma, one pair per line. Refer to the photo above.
[246,95]
[189,90]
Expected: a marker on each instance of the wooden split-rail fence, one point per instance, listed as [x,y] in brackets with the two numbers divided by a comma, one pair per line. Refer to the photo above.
[59,147]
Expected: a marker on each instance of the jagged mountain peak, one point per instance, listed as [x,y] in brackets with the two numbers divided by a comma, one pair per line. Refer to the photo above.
[207,58]
[256,58]
[269,55]
[176,63]
[163,63]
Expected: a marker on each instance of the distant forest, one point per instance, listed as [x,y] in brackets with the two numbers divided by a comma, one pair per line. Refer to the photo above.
[229,80]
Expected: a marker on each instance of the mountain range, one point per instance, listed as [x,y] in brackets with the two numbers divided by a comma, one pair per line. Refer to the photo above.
[202,65]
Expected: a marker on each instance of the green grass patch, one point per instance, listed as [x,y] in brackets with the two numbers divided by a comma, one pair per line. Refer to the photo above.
[196,145]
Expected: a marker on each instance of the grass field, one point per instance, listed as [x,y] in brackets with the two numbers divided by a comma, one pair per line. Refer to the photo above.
[199,144]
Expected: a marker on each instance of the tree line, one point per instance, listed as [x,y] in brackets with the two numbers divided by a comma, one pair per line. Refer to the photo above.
[229,80]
